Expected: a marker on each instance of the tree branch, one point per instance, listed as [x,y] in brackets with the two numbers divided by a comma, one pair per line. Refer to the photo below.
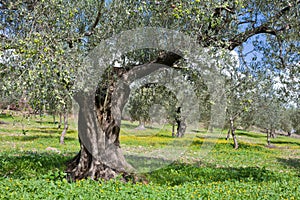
[99,14]
[238,39]
[218,10]
[242,37]
[91,29]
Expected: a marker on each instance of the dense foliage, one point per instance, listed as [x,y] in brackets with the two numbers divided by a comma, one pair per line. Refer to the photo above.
[43,42]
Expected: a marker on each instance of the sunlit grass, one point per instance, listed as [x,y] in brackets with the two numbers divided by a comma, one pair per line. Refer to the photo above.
[208,167]
[35,134]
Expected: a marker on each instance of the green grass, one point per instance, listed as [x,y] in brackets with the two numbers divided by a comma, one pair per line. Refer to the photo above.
[209,167]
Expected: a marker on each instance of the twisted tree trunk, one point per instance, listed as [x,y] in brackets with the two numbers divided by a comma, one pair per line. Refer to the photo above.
[99,120]
[100,155]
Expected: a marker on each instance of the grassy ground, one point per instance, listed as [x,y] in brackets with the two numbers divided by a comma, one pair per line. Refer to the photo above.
[199,166]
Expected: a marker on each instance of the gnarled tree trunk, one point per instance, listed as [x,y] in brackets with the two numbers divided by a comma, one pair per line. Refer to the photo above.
[99,124]
[100,155]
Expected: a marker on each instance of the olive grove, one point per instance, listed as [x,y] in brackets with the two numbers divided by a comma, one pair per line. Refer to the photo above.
[44,43]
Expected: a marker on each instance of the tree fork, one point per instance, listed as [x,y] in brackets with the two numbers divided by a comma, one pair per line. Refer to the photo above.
[100,156]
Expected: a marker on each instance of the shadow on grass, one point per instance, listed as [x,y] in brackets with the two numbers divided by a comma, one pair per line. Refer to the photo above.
[162,171]
[197,143]
[143,164]
[177,174]
[132,126]
[28,165]
[5,116]
[46,130]
[153,135]
[36,137]
[254,146]
[223,144]
[3,122]
[251,135]
[49,131]
[45,122]
[164,136]
[198,131]
[128,126]
[290,162]
[286,142]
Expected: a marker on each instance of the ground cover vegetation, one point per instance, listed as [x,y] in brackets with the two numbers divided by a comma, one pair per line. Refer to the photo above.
[32,166]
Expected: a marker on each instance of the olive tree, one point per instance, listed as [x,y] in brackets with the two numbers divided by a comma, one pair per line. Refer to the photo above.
[51,38]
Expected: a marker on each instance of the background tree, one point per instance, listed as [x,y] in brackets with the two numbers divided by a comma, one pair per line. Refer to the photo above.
[295,118]
[240,92]
[147,96]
